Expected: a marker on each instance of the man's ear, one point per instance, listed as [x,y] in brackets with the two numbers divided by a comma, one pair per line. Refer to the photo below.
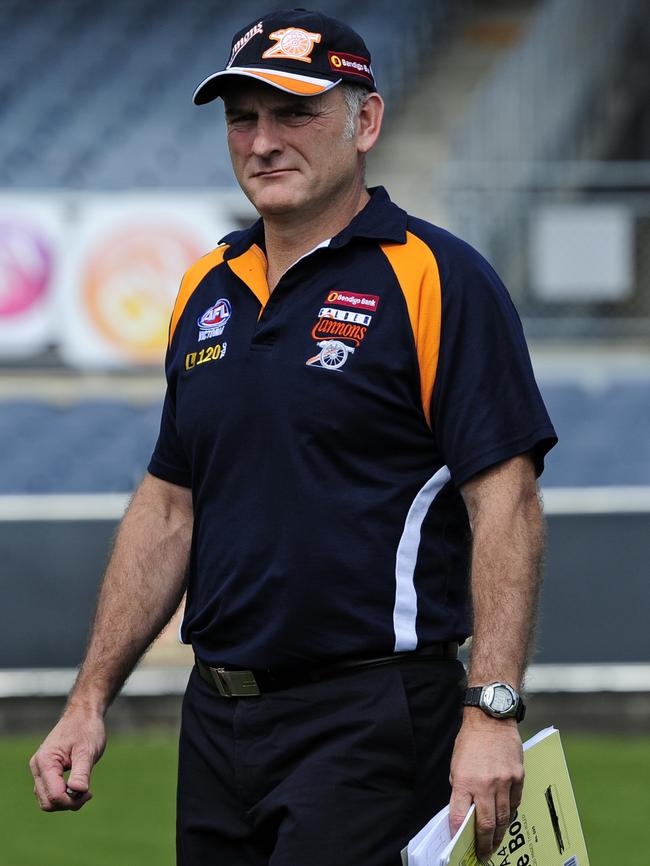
[370,117]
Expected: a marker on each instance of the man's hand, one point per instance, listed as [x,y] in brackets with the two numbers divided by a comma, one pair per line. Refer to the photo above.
[76,743]
[486,769]
[142,587]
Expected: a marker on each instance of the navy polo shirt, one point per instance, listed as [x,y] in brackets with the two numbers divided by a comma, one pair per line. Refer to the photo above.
[325,431]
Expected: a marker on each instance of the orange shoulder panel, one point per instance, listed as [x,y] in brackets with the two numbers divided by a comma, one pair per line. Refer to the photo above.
[190,281]
[251,267]
[416,269]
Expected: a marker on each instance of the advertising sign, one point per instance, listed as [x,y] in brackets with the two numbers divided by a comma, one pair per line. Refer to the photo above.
[126,261]
[30,237]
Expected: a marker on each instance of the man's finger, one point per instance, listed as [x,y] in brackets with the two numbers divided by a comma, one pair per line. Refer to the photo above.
[459,806]
[516,793]
[77,799]
[41,796]
[502,817]
[79,778]
[50,788]
[485,827]
[48,770]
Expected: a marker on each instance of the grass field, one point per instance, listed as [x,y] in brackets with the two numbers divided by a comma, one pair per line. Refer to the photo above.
[130,820]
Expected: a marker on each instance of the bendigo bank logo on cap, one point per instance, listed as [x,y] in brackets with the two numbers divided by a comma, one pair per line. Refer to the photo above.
[350,63]
[292,43]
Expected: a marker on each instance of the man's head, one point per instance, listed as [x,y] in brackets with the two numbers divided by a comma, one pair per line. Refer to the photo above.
[301,110]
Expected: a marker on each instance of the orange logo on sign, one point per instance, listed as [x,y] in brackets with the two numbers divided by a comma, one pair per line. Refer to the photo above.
[293,43]
[129,285]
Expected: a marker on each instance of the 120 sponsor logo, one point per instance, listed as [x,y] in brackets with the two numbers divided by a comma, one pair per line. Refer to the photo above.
[203,356]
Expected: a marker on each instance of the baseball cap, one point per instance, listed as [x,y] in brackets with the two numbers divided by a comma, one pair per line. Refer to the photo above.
[295,50]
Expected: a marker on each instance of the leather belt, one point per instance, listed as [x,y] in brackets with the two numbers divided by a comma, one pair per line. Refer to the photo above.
[248,683]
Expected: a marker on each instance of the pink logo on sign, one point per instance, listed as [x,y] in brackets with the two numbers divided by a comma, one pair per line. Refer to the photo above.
[25,267]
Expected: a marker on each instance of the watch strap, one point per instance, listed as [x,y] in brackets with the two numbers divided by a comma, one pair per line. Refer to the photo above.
[472,696]
[521,710]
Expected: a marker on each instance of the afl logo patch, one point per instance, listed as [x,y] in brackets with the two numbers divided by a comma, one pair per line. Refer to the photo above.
[215,319]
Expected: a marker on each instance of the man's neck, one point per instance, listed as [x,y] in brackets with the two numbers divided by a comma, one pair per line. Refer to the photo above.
[288,237]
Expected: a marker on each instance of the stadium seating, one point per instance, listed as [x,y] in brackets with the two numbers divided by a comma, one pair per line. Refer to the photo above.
[599,431]
[97,95]
[103,446]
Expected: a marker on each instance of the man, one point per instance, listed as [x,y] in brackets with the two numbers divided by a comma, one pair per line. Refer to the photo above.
[350,414]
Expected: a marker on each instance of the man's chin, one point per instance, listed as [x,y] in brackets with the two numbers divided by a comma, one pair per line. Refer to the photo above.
[276,199]
[275,205]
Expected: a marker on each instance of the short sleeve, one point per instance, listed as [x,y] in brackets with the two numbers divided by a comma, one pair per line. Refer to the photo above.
[169,460]
[486,406]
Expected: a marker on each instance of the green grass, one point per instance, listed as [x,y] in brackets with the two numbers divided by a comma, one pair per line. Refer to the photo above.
[611,781]
[130,821]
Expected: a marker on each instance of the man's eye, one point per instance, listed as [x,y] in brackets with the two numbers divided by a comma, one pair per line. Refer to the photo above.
[240,119]
[296,115]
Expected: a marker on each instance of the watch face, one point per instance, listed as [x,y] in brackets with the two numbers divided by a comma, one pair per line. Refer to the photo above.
[498,699]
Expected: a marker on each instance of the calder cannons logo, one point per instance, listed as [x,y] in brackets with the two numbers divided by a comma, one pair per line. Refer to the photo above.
[339,332]
[245,39]
[214,320]
[341,323]
[292,43]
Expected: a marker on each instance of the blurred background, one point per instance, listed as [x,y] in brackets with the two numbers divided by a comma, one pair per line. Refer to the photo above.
[521,125]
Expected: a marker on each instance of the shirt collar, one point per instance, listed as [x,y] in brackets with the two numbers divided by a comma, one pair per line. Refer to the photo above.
[380,220]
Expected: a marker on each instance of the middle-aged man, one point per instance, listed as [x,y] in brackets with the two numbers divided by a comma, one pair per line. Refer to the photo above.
[349,444]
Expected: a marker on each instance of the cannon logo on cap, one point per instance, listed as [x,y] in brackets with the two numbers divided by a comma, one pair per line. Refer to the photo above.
[292,43]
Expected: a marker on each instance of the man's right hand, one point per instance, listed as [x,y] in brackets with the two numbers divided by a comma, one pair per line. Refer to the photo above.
[143,585]
[76,743]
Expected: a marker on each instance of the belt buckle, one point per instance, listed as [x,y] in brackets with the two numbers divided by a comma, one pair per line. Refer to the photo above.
[235,684]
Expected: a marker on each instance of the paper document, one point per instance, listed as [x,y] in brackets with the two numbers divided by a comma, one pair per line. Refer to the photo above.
[546,830]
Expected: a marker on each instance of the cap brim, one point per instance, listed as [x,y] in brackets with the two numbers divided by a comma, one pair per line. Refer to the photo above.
[301,85]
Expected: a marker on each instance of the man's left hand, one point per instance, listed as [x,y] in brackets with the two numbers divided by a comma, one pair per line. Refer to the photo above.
[486,769]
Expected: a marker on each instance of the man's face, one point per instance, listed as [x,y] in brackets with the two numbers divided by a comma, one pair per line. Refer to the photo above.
[289,153]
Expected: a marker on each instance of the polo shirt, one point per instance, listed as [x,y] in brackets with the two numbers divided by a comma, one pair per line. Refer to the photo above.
[325,431]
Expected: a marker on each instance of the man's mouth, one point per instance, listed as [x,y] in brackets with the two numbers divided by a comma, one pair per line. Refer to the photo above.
[274,172]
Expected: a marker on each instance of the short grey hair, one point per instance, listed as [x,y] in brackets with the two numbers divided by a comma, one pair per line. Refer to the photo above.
[355,95]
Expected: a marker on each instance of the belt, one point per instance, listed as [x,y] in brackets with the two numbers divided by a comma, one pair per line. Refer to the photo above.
[243,684]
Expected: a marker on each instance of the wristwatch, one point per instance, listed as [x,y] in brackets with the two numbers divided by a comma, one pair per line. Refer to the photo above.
[496,699]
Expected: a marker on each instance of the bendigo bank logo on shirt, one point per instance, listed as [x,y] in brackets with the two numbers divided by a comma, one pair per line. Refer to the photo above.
[369,303]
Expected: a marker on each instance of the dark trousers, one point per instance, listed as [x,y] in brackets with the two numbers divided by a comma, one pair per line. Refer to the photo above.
[337,773]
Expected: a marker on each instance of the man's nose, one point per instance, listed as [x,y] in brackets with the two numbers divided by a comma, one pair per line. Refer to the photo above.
[267,139]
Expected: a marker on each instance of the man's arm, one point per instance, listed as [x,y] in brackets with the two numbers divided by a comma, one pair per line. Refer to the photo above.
[507,545]
[143,585]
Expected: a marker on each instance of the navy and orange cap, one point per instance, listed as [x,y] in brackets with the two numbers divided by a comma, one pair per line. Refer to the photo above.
[295,50]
